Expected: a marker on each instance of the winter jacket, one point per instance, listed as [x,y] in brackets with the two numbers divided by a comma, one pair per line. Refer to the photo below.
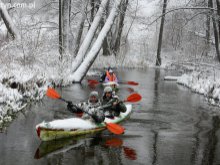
[91,111]
[111,110]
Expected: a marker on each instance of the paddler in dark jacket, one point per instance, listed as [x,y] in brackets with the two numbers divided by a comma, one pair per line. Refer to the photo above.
[111,104]
[91,108]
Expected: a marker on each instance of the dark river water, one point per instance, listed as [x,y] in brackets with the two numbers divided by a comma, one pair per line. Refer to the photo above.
[170,126]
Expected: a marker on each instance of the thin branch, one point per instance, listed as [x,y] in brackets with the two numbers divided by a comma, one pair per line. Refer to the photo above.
[182,8]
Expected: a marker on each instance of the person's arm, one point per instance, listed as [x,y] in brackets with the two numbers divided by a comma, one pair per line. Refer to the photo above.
[102,78]
[119,104]
[74,108]
[98,117]
[96,114]
[122,107]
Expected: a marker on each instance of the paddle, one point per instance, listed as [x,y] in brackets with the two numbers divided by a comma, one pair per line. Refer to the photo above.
[52,93]
[95,82]
[112,127]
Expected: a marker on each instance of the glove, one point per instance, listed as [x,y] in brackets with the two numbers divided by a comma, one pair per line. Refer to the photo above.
[69,105]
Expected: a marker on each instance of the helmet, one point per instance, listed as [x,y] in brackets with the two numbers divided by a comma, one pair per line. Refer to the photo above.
[94,93]
[107,89]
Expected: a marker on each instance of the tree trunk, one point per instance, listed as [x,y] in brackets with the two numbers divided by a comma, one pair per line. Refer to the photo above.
[66,4]
[88,39]
[215,31]
[79,33]
[60,30]
[8,21]
[208,35]
[117,44]
[92,3]
[218,12]
[105,45]
[80,73]
[158,60]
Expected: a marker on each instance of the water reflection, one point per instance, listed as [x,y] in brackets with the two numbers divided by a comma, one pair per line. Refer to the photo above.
[155,132]
[210,154]
[88,146]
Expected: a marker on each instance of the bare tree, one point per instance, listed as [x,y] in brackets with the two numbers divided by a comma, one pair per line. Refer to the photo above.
[208,29]
[215,31]
[158,60]
[120,26]
[65,12]
[60,29]
[80,30]
[218,17]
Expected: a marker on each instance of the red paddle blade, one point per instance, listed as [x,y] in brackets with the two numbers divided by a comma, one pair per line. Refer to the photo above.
[52,93]
[135,97]
[93,82]
[114,142]
[115,128]
[132,83]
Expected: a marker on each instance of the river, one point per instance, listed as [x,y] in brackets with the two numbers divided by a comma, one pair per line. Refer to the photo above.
[170,126]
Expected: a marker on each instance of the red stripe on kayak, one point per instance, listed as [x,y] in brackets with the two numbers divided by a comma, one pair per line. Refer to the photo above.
[38,131]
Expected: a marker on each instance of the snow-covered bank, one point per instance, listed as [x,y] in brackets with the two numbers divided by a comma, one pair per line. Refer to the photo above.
[205,82]
[20,85]
[17,88]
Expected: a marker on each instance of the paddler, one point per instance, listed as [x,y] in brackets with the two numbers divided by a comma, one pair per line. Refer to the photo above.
[91,107]
[103,75]
[111,103]
[110,76]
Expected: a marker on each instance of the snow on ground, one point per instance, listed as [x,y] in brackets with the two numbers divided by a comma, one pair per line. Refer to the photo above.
[205,82]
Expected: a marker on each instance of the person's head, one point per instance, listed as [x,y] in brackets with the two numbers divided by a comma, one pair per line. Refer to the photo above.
[108,92]
[93,97]
[110,71]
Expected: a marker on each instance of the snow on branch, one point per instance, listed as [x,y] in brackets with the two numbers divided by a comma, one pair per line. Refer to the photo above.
[88,39]
[8,21]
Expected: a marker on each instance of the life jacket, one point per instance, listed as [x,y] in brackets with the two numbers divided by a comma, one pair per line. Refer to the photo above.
[111,78]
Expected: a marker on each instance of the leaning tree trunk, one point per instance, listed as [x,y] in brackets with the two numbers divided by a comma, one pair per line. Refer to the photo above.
[215,31]
[8,21]
[88,39]
[80,73]
[117,44]
[158,60]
